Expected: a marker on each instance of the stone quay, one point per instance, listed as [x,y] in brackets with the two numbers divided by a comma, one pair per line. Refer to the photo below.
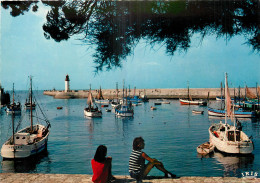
[195,93]
[80,178]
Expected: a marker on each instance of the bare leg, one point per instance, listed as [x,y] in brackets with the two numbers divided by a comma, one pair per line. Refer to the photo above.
[159,166]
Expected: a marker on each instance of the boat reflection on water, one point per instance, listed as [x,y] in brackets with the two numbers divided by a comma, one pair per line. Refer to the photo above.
[26,165]
[234,164]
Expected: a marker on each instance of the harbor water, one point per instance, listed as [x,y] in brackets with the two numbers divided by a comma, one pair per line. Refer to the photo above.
[171,134]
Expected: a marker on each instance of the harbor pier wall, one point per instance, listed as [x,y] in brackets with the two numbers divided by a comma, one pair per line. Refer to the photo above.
[195,93]
[83,178]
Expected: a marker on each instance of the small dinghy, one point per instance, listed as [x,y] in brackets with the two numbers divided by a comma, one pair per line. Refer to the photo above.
[108,110]
[165,102]
[153,108]
[197,112]
[59,107]
[205,148]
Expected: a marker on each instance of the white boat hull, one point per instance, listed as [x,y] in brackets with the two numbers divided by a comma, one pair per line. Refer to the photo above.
[192,102]
[24,150]
[125,114]
[231,147]
[93,114]
[221,113]
[124,110]
[102,101]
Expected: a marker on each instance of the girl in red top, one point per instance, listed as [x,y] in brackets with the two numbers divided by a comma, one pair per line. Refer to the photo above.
[101,166]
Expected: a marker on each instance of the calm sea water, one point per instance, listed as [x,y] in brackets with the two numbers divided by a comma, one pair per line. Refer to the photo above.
[171,134]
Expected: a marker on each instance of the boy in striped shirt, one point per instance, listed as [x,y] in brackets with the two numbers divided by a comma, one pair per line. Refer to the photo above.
[137,167]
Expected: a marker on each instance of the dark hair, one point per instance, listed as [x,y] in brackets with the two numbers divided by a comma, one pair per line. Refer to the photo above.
[136,142]
[101,153]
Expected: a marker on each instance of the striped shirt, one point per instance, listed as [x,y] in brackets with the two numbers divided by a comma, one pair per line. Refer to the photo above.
[136,161]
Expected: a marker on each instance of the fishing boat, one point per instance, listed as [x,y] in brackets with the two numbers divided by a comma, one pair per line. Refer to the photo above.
[144,97]
[220,98]
[14,108]
[100,99]
[197,112]
[59,107]
[92,110]
[29,104]
[205,148]
[193,102]
[125,109]
[240,113]
[115,103]
[190,101]
[135,99]
[228,138]
[28,141]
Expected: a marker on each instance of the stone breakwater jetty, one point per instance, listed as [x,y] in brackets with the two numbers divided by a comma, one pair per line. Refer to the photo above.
[195,93]
[77,178]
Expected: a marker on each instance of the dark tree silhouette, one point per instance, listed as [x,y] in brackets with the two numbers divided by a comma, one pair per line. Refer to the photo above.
[114,28]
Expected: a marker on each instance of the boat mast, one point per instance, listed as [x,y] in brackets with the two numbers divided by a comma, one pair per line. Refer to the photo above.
[221,95]
[245,92]
[31,103]
[123,89]
[13,127]
[225,98]
[221,88]
[188,90]
[13,93]
[239,95]
[117,91]
[89,97]
[234,95]
[256,87]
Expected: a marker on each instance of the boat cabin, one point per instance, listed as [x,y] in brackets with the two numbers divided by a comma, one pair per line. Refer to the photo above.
[231,136]
[22,138]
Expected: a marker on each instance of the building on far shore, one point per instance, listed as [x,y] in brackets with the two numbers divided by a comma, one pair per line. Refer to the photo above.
[67,83]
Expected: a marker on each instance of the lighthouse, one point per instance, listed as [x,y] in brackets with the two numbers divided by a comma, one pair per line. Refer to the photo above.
[67,83]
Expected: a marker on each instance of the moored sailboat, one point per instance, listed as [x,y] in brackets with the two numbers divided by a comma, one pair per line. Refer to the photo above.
[190,101]
[28,141]
[125,109]
[100,99]
[115,103]
[91,110]
[228,138]
[240,113]
[14,108]
[28,103]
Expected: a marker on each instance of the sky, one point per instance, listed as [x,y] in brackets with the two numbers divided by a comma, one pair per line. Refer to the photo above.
[24,51]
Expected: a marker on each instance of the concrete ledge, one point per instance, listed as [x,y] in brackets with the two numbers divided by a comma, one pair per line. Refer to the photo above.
[77,178]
